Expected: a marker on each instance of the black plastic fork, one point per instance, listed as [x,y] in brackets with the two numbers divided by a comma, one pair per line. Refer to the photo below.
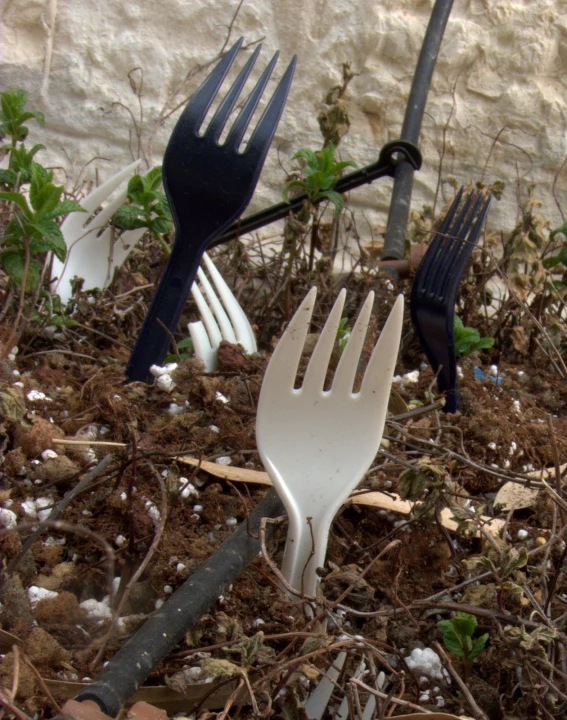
[208,186]
[435,287]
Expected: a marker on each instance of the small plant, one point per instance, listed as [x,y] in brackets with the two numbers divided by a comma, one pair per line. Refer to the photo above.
[468,339]
[319,176]
[321,173]
[458,639]
[148,207]
[36,212]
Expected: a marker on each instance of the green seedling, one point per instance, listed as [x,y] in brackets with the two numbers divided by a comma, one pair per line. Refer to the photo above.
[13,115]
[468,339]
[320,174]
[458,639]
[148,207]
[186,344]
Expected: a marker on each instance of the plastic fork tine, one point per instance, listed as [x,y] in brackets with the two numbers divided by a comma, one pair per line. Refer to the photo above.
[316,372]
[237,131]
[216,125]
[435,246]
[198,106]
[226,329]
[208,317]
[345,374]
[383,359]
[460,251]
[273,110]
[240,323]
[285,358]
[449,245]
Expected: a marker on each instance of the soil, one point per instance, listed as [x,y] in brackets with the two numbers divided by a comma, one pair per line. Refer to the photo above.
[78,376]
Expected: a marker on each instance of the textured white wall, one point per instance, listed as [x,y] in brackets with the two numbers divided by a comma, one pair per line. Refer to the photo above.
[502,69]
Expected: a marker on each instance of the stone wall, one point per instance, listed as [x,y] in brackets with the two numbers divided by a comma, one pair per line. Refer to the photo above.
[497,108]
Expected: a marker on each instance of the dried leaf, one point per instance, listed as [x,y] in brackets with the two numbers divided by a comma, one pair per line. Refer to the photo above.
[519,339]
[221,668]
[310,671]
[479,595]
[12,403]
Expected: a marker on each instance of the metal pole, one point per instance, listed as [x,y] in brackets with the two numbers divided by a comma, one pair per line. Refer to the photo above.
[394,242]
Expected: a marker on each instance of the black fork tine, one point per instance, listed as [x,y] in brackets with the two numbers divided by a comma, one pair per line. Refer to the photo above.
[201,101]
[237,131]
[465,247]
[263,132]
[218,122]
[429,261]
[455,246]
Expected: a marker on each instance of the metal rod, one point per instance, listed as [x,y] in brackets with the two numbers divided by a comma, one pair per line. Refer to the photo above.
[394,241]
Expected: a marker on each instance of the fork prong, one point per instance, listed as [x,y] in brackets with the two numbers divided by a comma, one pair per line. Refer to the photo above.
[378,376]
[264,131]
[209,320]
[449,244]
[345,374]
[240,323]
[217,308]
[237,131]
[198,106]
[434,248]
[458,249]
[220,117]
[285,358]
[316,372]
[453,272]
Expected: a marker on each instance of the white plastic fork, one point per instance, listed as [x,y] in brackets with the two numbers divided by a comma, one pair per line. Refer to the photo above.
[223,318]
[317,444]
[319,697]
[90,256]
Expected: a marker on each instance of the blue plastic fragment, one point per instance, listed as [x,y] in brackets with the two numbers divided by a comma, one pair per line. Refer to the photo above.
[478,373]
[481,375]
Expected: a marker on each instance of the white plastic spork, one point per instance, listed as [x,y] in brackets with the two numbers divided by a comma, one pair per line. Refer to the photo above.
[316,445]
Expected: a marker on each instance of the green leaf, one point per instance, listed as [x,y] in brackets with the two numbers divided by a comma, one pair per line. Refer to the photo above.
[186,342]
[53,236]
[337,200]
[135,189]
[44,196]
[484,343]
[19,199]
[13,103]
[62,208]
[13,261]
[562,230]
[291,184]
[551,262]
[8,177]
[563,253]
[128,217]
[307,155]
[464,623]
[478,646]
[160,225]
[152,179]
[453,643]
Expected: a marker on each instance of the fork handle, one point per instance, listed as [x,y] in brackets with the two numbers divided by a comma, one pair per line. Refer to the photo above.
[164,313]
